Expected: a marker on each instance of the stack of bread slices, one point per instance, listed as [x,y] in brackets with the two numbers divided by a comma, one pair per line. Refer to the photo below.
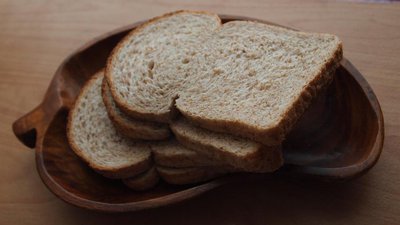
[186,98]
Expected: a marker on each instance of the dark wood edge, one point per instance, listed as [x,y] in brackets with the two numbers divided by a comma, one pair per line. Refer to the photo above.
[25,127]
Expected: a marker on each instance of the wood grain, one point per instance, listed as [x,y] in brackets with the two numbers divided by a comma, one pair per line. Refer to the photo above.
[36,36]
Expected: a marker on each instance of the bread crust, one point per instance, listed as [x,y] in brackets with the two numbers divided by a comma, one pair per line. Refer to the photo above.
[123,172]
[140,132]
[110,172]
[189,175]
[144,181]
[123,106]
[255,162]
[193,159]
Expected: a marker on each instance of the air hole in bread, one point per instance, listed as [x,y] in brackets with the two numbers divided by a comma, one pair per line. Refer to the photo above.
[151,65]
[185,61]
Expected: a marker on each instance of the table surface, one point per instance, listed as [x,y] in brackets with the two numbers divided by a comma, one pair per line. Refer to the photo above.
[35,36]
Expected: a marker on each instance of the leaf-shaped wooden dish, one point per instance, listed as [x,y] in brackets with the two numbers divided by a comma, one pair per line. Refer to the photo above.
[339,137]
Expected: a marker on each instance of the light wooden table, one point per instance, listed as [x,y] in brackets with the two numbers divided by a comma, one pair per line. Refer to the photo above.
[35,36]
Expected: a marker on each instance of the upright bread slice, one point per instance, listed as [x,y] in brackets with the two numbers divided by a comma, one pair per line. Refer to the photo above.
[93,138]
[245,78]
[144,181]
[174,155]
[190,175]
[239,153]
[133,71]
[130,127]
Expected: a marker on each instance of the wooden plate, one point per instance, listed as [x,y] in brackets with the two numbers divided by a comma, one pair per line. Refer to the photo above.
[339,137]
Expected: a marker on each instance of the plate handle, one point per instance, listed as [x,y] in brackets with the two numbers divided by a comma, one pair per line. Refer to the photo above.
[28,127]
[31,127]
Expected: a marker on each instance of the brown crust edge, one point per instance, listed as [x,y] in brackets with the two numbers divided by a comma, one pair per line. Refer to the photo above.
[161,117]
[275,136]
[143,181]
[189,175]
[142,133]
[179,161]
[265,159]
[110,172]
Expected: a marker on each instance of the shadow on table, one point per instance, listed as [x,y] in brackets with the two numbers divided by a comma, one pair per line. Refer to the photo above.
[273,201]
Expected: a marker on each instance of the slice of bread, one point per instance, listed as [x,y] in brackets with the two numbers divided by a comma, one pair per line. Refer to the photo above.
[244,78]
[190,175]
[93,138]
[174,155]
[138,57]
[144,181]
[130,127]
[240,153]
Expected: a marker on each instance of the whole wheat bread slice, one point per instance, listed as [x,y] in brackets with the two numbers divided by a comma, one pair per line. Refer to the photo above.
[131,127]
[152,38]
[244,78]
[174,155]
[144,181]
[240,153]
[190,175]
[93,138]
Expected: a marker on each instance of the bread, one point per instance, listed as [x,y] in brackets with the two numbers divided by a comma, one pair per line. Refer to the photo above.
[174,155]
[130,127]
[244,78]
[153,42]
[189,175]
[237,152]
[93,138]
[144,181]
